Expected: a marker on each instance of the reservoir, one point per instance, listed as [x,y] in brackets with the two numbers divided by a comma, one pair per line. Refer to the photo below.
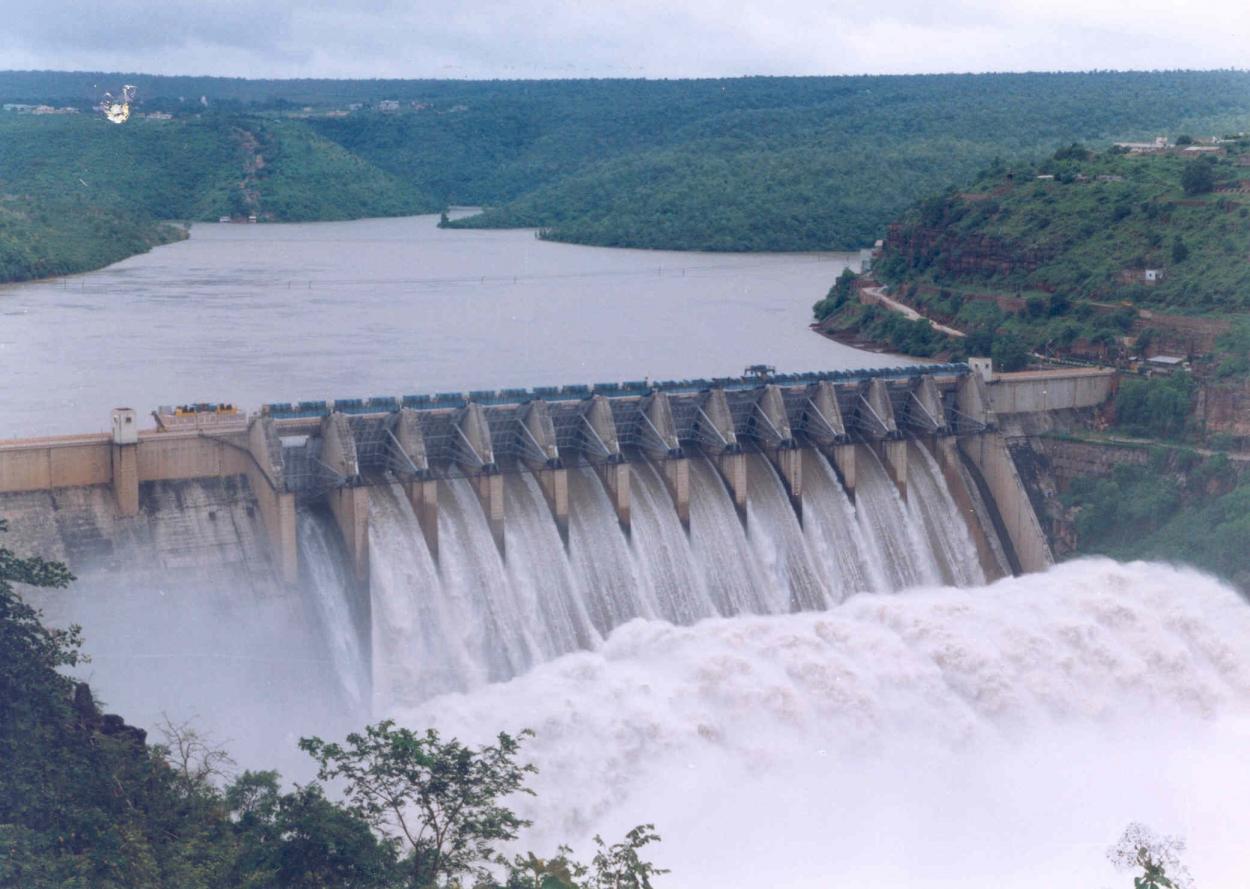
[260,313]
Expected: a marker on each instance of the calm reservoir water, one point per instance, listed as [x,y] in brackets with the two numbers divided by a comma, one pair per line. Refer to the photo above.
[261,313]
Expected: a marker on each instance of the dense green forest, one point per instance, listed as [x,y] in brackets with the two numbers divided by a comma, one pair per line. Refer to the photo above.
[1087,225]
[1052,258]
[739,164]
[1177,506]
[77,192]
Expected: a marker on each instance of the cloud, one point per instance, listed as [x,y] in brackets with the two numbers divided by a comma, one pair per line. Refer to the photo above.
[584,38]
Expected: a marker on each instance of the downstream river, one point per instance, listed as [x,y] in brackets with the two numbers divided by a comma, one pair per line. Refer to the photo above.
[260,313]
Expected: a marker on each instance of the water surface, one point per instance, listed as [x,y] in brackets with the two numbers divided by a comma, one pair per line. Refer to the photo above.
[259,313]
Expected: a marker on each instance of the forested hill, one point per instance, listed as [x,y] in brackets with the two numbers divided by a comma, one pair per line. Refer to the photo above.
[740,164]
[1090,255]
[78,193]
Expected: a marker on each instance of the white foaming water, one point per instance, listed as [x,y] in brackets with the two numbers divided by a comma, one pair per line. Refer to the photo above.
[607,577]
[1001,736]
[324,575]
[894,534]
[479,618]
[835,539]
[541,579]
[792,581]
[720,544]
[930,499]
[663,551]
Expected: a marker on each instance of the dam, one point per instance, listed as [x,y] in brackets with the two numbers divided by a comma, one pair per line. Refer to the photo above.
[404,546]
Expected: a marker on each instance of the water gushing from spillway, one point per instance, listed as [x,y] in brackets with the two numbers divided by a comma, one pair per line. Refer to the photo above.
[894,535]
[838,545]
[1000,736]
[952,543]
[720,545]
[479,617]
[323,573]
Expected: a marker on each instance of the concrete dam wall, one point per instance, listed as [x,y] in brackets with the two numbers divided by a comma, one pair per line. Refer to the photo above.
[351,554]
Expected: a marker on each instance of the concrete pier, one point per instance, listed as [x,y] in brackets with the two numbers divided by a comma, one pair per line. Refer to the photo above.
[408,461]
[349,500]
[894,458]
[844,462]
[476,456]
[541,454]
[658,435]
[776,438]
[615,478]
[600,443]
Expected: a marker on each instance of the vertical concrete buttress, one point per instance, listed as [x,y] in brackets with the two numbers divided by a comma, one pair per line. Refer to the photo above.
[677,479]
[544,460]
[772,425]
[603,450]
[477,459]
[657,419]
[844,463]
[615,478]
[350,501]
[875,411]
[277,505]
[409,462]
[895,452]
[125,457]
[989,454]
[489,487]
[714,427]
[126,478]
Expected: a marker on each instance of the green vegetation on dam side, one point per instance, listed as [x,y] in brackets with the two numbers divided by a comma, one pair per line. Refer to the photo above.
[740,164]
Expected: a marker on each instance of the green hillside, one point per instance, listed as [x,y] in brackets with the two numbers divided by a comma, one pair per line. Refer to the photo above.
[739,164]
[1092,230]
[1087,254]
[77,192]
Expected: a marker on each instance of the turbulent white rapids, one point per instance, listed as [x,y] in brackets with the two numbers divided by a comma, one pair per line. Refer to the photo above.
[1000,736]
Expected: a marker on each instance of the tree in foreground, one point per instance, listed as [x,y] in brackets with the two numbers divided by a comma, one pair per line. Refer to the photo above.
[440,801]
[442,804]
[619,866]
[1157,857]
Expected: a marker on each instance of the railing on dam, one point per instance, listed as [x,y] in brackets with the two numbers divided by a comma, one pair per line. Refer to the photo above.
[453,433]
[576,392]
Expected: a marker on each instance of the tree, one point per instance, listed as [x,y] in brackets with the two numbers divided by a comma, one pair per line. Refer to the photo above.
[1180,250]
[20,627]
[1158,858]
[301,840]
[1009,352]
[196,760]
[838,296]
[439,800]
[619,866]
[1198,177]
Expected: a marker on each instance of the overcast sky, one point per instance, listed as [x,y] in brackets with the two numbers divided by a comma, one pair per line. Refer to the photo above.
[589,38]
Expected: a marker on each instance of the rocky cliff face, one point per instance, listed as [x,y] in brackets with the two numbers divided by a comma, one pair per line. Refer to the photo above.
[962,254]
[1224,408]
